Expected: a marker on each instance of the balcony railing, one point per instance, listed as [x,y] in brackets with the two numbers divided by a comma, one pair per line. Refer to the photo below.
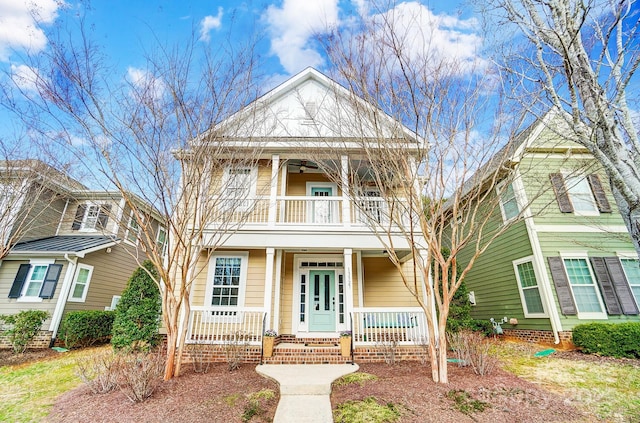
[309,210]
[219,325]
[404,325]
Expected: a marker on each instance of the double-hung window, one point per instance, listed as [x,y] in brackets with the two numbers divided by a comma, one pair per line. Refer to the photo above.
[80,285]
[227,281]
[91,217]
[632,272]
[583,286]
[239,187]
[36,280]
[133,229]
[529,288]
[161,240]
[508,202]
[581,195]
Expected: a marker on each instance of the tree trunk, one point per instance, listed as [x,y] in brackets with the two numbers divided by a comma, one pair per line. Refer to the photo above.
[442,351]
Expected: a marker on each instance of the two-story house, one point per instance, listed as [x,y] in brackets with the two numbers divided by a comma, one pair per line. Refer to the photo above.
[78,252]
[304,262]
[567,257]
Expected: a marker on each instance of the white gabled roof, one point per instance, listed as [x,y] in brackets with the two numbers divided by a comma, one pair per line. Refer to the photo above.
[309,106]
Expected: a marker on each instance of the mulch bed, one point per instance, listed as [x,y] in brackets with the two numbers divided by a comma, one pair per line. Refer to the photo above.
[409,385]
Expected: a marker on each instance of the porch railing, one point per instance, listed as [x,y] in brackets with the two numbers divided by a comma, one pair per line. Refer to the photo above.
[218,325]
[404,325]
[310,210]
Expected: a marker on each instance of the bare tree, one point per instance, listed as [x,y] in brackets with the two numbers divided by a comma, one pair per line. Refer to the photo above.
[431,144]
[581,57]
[150,135]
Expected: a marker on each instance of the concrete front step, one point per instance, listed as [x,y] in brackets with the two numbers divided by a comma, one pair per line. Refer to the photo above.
[293,353]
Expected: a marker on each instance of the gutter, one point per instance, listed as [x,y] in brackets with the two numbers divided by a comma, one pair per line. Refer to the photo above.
[62,298]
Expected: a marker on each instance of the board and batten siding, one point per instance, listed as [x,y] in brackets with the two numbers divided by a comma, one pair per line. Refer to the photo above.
[8,271]
[383,285]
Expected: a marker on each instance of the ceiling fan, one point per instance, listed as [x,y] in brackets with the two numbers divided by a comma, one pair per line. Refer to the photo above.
[303,165]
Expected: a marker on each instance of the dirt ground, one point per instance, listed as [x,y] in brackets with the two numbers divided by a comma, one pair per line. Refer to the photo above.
[222,396]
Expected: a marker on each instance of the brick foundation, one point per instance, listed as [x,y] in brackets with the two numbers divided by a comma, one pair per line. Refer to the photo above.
[41,340]
[541,337]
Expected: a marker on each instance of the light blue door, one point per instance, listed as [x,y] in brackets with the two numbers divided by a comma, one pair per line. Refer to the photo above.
[321,210]
[322,313]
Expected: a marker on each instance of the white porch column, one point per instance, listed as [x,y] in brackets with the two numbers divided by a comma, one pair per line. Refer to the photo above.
[276,299]
[275,165]
[348,286]
[344,179]
[268,285]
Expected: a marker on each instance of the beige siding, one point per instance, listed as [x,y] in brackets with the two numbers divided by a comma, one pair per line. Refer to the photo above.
[254,288]
[8,271]
[67,220]
[297,183]
[286,297]
[383,286]
[43,211]
[111,272]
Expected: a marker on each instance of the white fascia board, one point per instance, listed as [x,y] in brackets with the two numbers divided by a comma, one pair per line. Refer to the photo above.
[582,228]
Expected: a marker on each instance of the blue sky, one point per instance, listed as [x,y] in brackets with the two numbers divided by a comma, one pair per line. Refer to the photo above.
[127,28]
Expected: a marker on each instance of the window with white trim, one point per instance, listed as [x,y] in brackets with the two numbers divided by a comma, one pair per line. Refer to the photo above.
[227,280]
[80,285]
[508,202]
[239,187]
[161,240]
[529,288]
[581,195]
[91,217]
[631,269]
[133,229]
[35,280]
[583,287]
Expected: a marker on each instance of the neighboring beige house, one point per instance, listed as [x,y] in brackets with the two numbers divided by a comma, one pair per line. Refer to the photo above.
[304,262]
[80,251]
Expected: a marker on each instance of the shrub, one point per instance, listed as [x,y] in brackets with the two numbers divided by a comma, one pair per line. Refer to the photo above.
[100,372]
[23,327]
[85,328]
[472,349]
[140,374]
[610,339]
[137,314]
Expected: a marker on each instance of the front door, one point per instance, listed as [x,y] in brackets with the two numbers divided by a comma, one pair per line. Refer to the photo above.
[321,210]
[322,313]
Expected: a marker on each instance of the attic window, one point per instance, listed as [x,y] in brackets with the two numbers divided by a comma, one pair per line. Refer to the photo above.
[310,112]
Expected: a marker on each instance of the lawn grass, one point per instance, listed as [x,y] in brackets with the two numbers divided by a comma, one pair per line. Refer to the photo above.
[28,391]
[609,391]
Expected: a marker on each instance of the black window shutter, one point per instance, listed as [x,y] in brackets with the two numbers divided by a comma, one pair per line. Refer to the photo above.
[77,221]
[561,282]
[621,286]
[564,202]
[606,285]
[18,282]
[50,281]
[599,194]
[103,216]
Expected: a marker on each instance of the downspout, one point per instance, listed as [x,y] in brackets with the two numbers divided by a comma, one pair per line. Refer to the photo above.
[62,299]
[538,260]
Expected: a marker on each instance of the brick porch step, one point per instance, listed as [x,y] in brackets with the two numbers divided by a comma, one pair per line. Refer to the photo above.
[299,353]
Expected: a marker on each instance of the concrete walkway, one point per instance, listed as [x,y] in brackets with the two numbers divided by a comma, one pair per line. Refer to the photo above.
[304,390]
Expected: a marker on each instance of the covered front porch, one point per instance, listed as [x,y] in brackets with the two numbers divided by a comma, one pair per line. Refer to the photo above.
[309,299]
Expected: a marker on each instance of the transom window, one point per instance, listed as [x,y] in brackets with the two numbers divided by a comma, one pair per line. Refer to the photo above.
[583,286]
[529,290]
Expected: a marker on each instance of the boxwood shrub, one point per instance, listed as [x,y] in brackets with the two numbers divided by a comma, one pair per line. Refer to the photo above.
[85,328]
[610,339]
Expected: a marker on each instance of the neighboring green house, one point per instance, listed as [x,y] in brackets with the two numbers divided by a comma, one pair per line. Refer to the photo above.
[566,257]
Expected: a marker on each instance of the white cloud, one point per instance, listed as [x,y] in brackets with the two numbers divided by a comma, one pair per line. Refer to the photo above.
[20,22]
[25,77]
[146,87]
[208,23]
[292,26]
[429,38]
